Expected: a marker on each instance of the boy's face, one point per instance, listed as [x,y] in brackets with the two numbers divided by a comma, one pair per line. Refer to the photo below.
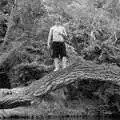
[58,22]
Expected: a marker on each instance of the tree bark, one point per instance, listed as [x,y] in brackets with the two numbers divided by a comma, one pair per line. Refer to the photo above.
[9,24]
[80,70]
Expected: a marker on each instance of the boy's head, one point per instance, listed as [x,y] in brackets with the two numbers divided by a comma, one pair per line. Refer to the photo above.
[58,20]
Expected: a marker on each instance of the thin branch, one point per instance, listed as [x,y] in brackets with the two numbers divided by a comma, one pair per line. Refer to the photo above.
[9,24]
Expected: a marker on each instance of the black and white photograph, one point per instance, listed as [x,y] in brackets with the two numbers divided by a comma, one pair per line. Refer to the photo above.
[60,59]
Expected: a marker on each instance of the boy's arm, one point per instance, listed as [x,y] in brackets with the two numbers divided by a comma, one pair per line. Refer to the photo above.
[66,38]
[64,31]
[64,34]
[49,38]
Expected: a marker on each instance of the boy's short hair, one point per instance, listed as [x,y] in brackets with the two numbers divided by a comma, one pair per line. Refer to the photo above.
[58,18]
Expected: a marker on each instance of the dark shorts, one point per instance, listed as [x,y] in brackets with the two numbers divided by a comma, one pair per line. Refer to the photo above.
[58,50]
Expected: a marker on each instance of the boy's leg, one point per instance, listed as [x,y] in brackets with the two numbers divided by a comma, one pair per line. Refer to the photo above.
[64,62]
[55,55]
[56,62]
[63,55]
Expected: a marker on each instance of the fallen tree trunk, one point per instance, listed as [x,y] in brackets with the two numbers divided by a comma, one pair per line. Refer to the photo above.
[80,70]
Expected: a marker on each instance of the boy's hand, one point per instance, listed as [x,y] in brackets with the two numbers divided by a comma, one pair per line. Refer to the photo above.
[64,36]
[61,34]
[48,46]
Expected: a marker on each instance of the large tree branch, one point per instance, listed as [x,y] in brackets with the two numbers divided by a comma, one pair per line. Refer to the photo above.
[77,71]
[80,70]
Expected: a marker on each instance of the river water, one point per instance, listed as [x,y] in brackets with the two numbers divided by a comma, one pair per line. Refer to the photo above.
[72,118]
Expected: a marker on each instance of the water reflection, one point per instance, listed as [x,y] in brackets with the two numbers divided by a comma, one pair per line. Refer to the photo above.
[72,118]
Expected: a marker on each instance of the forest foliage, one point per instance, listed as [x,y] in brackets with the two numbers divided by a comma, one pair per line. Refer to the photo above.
[93,28]
[79,16]
[25,24]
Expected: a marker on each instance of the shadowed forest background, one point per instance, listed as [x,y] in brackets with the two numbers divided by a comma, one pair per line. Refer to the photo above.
[24,57]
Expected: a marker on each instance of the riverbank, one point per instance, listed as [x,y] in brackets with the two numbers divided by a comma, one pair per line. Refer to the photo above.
[75,102]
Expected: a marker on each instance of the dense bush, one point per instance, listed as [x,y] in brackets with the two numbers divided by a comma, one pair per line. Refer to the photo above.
[30,22]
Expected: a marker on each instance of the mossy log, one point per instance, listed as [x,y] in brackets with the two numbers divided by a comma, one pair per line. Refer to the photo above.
[77,71]
[80,70]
